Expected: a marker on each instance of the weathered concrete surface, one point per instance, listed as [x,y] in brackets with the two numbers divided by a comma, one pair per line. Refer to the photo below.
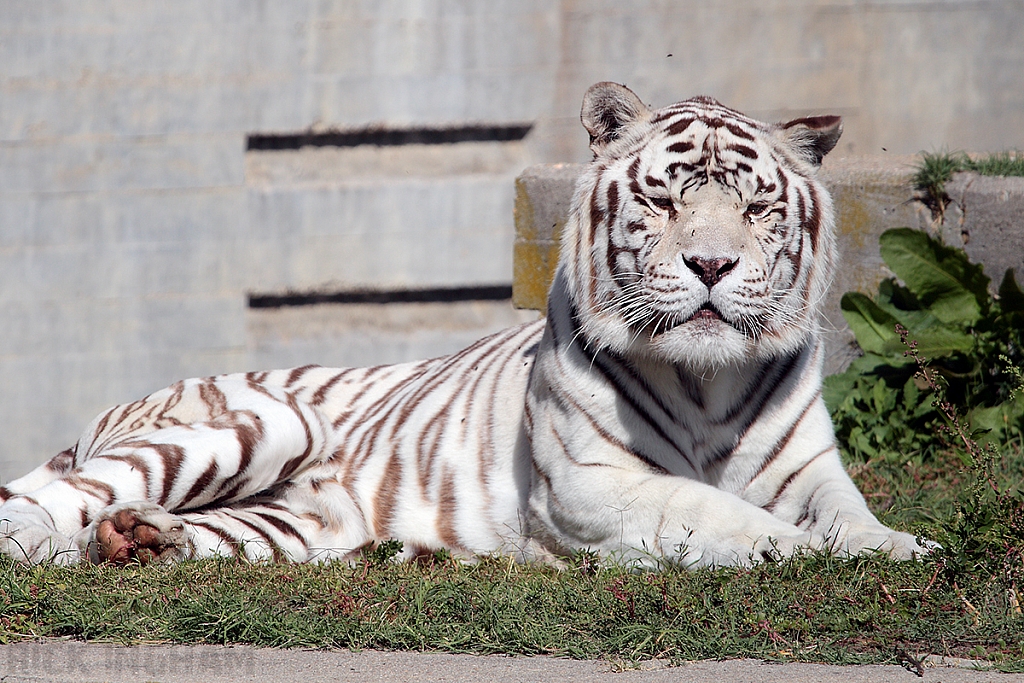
[59,661]
[356,335]
[871,195]
[543,198]
[986,216]
[907,76]
[133,222]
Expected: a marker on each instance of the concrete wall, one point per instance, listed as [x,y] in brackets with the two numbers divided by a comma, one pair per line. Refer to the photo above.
[133,223]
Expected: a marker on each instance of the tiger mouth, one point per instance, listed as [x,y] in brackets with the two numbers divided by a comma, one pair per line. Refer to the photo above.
[706,314]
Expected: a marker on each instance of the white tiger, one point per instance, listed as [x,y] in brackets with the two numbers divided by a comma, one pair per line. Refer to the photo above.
[668,409]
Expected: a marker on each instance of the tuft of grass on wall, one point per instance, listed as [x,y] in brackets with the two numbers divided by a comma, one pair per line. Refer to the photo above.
[936,169]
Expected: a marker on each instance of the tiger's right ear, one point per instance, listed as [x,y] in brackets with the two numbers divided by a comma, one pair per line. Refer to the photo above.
[813,137]
[607,109]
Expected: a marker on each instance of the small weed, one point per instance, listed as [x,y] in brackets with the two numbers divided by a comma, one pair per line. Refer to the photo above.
[984,537]
[932,175]
[1005,164]
[383,552]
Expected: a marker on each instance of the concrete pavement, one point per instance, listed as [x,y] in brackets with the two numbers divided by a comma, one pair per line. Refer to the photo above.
[55,660]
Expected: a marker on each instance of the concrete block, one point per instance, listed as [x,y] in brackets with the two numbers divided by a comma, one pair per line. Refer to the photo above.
[987,217]
[359,335]
[542,202]
[406,233]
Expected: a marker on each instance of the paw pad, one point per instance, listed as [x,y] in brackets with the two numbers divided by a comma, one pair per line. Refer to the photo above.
[128,535]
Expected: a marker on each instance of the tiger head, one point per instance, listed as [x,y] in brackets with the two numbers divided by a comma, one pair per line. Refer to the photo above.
[698,235]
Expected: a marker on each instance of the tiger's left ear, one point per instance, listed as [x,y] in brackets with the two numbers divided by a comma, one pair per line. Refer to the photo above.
[607,109]
[814,136]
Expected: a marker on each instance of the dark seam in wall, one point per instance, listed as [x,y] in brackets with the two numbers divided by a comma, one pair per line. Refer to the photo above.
[383,137]
[394,296]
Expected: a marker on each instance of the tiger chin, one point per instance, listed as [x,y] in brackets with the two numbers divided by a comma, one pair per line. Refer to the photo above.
[668,409]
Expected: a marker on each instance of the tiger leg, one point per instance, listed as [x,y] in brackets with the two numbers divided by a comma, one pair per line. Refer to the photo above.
[26,531]
[821,497]
[289,526]
[641,517]
[177,468]
[144,532]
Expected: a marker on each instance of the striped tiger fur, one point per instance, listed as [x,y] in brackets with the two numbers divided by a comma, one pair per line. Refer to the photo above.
[668,409]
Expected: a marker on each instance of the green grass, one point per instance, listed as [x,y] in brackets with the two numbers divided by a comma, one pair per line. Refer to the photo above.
[812,608]
[816,609]
[937,168]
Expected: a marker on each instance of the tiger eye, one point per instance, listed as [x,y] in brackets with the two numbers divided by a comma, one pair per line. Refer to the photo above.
[757,208]
[663,203]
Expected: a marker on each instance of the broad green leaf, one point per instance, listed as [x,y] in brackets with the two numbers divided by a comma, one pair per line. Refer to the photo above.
[918,322]
[988,424]
[935,338]
[938,342]
[874,328]
[998,423]
[836,388]
[1011,299]
[945,282]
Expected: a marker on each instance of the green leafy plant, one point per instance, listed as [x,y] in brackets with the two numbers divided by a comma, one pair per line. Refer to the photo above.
[971,340]
[941,376]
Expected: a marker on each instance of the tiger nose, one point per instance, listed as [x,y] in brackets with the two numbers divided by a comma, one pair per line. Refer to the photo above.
[709,271]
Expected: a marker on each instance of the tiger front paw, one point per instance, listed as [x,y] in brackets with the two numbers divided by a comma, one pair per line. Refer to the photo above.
[136,532]
[868,539]
[745,550]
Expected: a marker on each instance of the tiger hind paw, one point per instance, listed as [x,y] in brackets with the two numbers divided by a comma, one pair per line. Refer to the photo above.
[27,541]
[136,532]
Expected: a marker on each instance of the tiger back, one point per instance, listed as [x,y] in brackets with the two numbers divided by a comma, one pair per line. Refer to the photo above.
[668,409]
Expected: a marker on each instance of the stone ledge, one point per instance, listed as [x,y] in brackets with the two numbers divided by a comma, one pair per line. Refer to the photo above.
[871,195]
